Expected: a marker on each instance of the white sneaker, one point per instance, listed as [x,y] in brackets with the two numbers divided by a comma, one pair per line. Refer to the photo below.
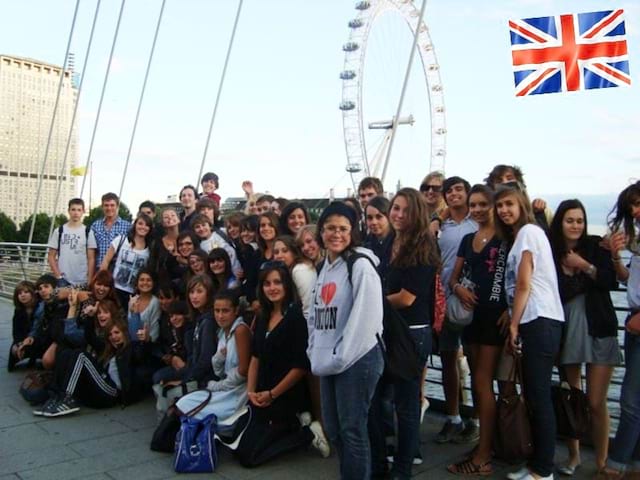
[529,476]
[518,474]
[304,418]
[319,441]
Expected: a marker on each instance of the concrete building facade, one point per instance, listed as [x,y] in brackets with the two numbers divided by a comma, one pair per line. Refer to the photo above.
[28,90]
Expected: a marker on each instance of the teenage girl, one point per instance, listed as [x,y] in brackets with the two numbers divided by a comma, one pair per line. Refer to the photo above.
[306,241]
[302,271]
[482,259]
[624,456]
[144,309]
[230,364]
[381,235]
[267,233]
[275,382]
[25,301]
[536,320]
[221,272]
[294,216]
[131,253]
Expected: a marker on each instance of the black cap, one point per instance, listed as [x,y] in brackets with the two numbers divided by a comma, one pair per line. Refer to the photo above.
[338,208]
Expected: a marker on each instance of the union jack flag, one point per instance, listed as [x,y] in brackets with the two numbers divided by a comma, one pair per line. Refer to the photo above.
[569,52]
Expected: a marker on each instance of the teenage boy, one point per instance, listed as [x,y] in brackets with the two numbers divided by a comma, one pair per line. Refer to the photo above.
[188,197]
[107,228]
[210,184]
[452,230]
[264,203]
[149,208]
[368,188]
[210,239]
[68,248]
[208,207]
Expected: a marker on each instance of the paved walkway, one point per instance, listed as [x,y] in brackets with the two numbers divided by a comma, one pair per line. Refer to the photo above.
[114,444]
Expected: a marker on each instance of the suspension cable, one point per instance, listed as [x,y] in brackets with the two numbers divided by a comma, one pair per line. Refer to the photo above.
[51,126]
[73,118]
[104,87]
[404,89]
[144,87]
[215,107]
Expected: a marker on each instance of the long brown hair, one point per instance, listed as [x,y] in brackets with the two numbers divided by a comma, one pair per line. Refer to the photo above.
[417,244]
[110,350]
[506,232]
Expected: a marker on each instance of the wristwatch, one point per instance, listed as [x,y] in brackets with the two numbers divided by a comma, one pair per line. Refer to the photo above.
[591,270]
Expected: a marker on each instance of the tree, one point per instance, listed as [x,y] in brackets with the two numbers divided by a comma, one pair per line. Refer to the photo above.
[8,229]
[41,229]
[96,213]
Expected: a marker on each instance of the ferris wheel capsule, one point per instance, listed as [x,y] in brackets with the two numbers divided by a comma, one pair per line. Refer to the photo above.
[347,105]
[355,23]
[364,5]
[350,47]
[354,167]
[347,74]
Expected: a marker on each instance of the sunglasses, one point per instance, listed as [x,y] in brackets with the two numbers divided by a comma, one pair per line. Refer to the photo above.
[433,188]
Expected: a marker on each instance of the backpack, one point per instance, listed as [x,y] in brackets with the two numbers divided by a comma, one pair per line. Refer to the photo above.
[398,347]
[35,387]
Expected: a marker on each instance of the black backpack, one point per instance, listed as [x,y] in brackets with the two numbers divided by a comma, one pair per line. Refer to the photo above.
[399,349]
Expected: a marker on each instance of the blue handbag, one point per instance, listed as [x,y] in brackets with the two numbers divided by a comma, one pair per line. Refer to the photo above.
[195,444]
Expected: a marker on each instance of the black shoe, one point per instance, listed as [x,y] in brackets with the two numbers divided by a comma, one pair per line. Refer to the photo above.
[11,363]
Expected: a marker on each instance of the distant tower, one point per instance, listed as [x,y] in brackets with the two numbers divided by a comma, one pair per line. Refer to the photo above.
[28,90]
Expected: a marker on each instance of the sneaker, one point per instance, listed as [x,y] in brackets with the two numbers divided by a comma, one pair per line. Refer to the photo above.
[470,434]
[530,476]
[39,411]
[518,474]
[304,418]
[449,431]
[319,441]
[65,406]
[417,459]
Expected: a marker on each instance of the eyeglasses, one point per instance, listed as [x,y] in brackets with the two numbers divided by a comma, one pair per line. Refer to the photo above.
[189,242]
[433,188]
[272,264]
[334,229]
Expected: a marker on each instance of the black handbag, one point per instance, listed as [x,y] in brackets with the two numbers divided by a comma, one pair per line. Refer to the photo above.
[164,436]
[571,406]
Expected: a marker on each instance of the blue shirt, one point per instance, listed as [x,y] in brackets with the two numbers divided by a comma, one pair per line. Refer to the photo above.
[451,234]
[105,236]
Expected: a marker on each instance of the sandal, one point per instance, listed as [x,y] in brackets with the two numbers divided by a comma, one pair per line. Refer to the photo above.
[608,474]
[467,467]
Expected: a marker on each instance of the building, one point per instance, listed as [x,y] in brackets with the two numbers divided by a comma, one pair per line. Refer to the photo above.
[28,90]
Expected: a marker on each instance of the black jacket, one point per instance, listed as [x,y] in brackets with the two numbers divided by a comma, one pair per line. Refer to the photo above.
[129,360]
[601,316]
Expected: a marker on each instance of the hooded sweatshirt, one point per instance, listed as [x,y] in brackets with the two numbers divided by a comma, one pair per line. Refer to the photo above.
[346,316]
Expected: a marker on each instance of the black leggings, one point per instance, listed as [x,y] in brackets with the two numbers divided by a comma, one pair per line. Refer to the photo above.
[80,376]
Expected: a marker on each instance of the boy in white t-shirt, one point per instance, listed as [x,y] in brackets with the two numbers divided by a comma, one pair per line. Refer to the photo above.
[210,239]
[68,246]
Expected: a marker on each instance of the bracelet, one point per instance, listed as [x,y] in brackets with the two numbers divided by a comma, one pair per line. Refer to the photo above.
[271,396]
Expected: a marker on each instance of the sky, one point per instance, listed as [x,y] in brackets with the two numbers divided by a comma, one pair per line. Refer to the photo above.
[278,121]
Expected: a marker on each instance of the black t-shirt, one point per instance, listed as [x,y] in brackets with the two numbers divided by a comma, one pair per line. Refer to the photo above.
[486,269]
[417,280]
[279,351]
[382,249]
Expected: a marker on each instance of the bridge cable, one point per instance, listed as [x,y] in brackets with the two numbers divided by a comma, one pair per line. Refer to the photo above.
[144,87]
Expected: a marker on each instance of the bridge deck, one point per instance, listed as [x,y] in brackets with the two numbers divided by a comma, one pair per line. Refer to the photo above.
[114,444]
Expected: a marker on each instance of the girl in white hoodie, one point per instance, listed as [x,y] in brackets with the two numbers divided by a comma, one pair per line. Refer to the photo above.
[344,323]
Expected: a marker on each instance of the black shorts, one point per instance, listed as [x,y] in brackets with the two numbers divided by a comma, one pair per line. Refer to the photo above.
[484,329]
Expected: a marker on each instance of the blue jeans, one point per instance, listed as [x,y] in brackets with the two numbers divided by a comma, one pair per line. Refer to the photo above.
[625,449]
[407,396]
[345,400]
[540,346]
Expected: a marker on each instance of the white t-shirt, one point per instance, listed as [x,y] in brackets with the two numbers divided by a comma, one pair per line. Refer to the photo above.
[72,252]
[544,298]
[216,241]
[128,264]
[304,278]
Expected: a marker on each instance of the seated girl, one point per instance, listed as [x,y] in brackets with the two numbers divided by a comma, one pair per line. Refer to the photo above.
[230,364]
[275,384]
[97,383]
[25,301]
[222,274]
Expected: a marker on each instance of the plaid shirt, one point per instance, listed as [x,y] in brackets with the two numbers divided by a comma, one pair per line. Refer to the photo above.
[105,236]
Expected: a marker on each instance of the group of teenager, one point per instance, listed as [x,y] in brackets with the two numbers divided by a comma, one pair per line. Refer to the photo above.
[283,320]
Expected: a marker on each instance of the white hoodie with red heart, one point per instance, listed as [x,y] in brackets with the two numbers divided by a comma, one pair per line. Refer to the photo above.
[346,316]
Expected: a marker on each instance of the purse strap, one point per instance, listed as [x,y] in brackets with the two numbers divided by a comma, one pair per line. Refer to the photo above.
[516,372]
[203,404]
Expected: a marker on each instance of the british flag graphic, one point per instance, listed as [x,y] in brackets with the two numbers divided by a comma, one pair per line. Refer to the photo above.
[569,52]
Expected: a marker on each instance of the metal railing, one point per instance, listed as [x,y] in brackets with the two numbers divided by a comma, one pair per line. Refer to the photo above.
[20,261]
